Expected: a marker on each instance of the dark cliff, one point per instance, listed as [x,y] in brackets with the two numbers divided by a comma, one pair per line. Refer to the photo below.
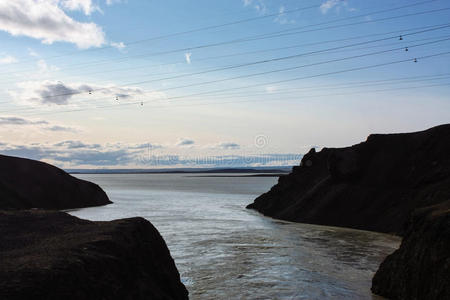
[52,255]
[374,185]
[420,268]
[26,183]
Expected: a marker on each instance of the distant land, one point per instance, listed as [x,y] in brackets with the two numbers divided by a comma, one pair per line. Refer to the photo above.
[268,170]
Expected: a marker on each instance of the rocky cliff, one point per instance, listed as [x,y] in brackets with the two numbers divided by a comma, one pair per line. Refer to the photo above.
[374,185]
[420,269]
[52,255]
[26,183]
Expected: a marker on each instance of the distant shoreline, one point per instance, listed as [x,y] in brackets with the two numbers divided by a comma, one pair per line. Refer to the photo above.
[247,175]
[250,172]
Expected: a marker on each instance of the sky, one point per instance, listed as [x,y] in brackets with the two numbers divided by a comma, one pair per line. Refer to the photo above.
[209,83]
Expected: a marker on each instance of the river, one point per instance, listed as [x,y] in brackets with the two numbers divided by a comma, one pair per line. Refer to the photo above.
[224,251]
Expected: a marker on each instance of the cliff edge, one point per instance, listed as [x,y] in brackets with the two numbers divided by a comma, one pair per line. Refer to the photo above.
[374,185]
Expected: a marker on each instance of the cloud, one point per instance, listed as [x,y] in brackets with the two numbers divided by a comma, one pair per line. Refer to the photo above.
[14,121]
[61,128]
[77,145]
[337,4]
[43,67]
[227,146]
[187,56]
[111,2]
[77,153]
[20,121]
[258,5]
[271,89]
[119,46]
[56,93]
[282,18]
[7,59]
[84,5]
[183,142]
[74,153]
[45,20]
[60,93]
[33,53]
[145,146]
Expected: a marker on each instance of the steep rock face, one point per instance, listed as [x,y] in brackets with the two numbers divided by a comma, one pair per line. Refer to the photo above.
[52,255]
[26,183]
[374,185]
[420,268]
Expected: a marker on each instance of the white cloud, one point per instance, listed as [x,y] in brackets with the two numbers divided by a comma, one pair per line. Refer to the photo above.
[258,5]
[43,67]
[45,20]
[7,59]
[337,4]
[187,56]
[119,46]
[84,5]
[261,7]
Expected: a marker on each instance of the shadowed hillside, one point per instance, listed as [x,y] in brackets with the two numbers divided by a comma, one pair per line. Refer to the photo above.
[26,183]
[374,185]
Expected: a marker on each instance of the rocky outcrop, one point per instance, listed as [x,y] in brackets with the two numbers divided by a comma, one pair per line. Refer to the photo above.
[26,183]
[52,255]
[374,185]
[420,268]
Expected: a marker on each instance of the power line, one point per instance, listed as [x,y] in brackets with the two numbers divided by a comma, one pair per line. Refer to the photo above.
[314,76]
[189,31]
[303,66]
[245,21]
[257,63]
[353,84]
[432,27]
[356,84]
[265,36]
[277,82]
[260,100]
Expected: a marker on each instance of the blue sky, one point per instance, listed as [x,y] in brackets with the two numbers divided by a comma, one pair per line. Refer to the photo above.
[87,83]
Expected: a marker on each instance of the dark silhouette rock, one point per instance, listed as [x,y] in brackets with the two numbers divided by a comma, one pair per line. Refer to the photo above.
[26,183]
[52,255]
[420,268]
[374,185]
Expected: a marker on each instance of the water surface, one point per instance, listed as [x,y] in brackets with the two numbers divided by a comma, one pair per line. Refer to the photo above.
[224,251]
